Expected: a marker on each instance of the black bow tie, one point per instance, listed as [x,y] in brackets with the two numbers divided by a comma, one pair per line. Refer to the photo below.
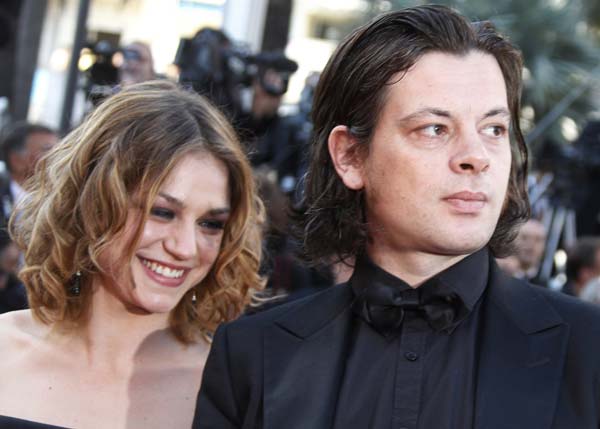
[384,307]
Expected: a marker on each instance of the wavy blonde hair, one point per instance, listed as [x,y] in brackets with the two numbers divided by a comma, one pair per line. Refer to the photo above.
[78,201]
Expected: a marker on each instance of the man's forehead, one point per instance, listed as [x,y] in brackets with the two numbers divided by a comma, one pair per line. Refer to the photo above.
[440,79]
[41,138]
[142,50]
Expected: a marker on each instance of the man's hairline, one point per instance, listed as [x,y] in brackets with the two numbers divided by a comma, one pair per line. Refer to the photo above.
[383,99]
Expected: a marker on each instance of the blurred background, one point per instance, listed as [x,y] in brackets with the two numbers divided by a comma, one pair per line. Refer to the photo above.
[259,60]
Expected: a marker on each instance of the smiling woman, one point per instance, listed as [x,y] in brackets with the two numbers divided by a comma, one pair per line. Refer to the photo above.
[141,234]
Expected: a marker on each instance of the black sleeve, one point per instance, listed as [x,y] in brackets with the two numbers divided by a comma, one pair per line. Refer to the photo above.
[216,407]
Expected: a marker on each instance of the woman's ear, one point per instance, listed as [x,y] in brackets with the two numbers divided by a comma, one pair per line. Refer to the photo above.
[345,157]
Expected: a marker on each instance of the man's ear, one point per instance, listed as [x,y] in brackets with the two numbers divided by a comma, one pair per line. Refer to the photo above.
[345,157]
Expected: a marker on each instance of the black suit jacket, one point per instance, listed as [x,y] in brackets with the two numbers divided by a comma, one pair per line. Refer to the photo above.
[539,364]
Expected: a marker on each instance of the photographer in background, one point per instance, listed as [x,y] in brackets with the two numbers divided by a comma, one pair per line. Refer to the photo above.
[272,140]
[249,89]
[22,146]
[211,66]
[529,250]
[138,65]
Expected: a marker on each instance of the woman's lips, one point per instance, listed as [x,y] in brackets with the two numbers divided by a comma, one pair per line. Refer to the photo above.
[163,280]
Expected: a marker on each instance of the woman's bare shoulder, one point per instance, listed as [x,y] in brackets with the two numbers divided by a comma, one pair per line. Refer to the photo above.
[19,330]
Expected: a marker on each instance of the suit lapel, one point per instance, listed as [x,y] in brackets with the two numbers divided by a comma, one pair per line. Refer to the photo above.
[523,351]
[304,362]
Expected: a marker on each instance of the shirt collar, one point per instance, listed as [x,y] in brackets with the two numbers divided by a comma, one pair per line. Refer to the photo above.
[17,191]
[468,278]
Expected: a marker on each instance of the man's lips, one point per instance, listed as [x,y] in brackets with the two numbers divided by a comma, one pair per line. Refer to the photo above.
[467,202]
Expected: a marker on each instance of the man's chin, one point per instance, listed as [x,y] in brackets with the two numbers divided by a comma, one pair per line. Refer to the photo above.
[463,247]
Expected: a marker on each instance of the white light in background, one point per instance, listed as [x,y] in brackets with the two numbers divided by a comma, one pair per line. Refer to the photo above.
[527,112]
[86,59]
[568,128]
[118,59]
[560,259]
[557,4]
[59,59]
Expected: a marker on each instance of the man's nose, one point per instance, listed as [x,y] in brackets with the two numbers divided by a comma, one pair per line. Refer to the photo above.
[471,155]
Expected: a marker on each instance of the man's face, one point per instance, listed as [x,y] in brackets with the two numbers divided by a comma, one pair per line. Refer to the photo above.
[36,145]
[436,174]
[137,65]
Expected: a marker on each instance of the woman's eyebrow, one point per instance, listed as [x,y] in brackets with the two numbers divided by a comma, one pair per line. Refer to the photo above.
[171,199]
[180,204]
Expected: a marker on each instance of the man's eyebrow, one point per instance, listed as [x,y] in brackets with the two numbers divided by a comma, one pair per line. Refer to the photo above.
[426,111]
[499,111]
[177,202]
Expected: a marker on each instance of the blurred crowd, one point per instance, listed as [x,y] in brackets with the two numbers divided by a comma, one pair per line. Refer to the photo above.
[249,89]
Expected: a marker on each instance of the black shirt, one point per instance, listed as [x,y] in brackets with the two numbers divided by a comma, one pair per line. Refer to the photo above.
[419,378]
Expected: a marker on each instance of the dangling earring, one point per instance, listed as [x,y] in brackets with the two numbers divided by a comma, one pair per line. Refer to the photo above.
[75,288]
[194,299]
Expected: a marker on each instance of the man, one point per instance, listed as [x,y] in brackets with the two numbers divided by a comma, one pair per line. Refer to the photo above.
[418,169]
[22,147]
[583,264]
[138,65]
[529,250]
[272,139]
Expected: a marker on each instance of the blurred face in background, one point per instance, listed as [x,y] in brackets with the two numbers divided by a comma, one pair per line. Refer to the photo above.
[23,162]
[530,244]
[9,259]
[265,104]
[137,64]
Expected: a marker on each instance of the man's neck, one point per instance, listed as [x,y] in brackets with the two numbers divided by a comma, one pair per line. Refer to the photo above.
[411,266]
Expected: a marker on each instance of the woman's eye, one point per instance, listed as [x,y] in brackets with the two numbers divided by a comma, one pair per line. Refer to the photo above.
[162,213]
[212,225]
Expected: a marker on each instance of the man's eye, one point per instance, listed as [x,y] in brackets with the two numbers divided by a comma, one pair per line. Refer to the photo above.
[162,213]
[434,130]
[495,130]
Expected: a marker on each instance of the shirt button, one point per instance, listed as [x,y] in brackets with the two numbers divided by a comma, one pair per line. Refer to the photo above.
[411,356]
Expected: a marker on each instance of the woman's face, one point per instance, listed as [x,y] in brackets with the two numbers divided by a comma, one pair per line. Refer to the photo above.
[180,240]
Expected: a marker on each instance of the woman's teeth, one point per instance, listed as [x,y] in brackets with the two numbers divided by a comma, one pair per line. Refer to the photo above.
[162,270]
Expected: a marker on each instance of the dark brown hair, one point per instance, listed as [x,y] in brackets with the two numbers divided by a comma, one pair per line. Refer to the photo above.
[352,91]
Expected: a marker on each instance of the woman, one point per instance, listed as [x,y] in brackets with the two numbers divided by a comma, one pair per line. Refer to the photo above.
[141,235]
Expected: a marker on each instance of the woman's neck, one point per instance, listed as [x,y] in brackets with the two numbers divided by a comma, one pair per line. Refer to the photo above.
[115,338]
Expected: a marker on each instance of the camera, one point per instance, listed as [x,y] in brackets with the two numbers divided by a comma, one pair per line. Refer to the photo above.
[219,69]
[99,63]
